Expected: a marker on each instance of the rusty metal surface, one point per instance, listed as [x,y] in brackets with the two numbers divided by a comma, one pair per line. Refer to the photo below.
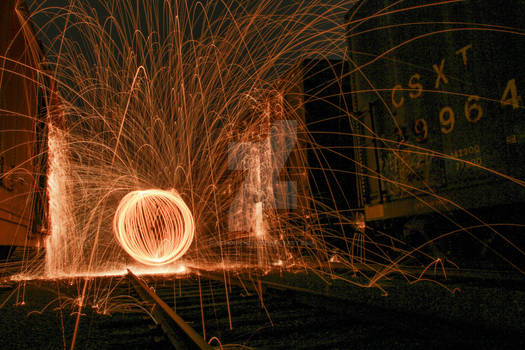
[168,314]
[20,123]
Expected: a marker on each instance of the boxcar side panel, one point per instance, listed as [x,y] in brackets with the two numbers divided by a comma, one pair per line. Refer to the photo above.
[438,90]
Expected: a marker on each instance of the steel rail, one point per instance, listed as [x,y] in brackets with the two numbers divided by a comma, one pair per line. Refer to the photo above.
[145,292]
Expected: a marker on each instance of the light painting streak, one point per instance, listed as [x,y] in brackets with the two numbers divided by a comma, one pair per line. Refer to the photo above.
[59,259]
[155,227]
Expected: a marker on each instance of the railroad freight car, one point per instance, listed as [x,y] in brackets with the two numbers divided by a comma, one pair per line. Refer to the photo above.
[22,132]
[437,93]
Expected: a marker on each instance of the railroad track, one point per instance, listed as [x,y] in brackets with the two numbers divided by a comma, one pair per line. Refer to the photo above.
[207,311]
[239,311]
[243,311]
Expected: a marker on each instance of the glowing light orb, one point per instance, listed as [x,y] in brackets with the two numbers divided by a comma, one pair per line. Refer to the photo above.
[155,227]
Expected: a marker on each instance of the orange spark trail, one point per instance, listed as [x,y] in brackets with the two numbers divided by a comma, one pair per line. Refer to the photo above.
[155,227]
